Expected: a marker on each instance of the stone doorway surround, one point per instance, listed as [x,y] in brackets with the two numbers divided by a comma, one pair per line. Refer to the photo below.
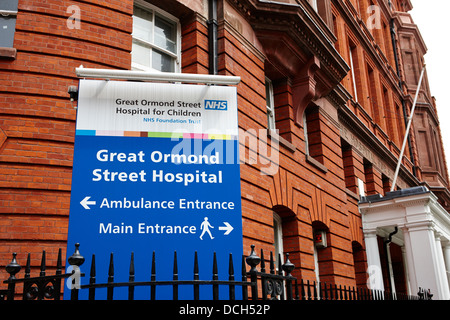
[423,233]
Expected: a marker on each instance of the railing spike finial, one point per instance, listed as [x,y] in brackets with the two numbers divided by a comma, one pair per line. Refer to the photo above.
[175,264]
[280,265]
[215,278]
[43,261]
[111,265]
[92,271]
[253,260]
[76,259]
[263,262]
[153,277]
[230,265]
[196,277]
[28,266]
[288,266]
[110,289]
[272,264]
[215,268]
[131,278]
[59,262]
[175,276]
[153,272]
[195,264]
[131,270]
[13,267]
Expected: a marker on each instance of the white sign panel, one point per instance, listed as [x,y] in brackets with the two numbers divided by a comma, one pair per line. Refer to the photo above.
[118,106]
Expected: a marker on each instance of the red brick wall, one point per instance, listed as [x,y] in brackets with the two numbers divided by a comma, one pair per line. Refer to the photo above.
[319,190]
[300,192]
[37,120]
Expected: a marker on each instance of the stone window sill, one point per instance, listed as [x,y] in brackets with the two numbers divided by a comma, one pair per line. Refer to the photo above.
[352,194]
[274,135]
[316,163]
[8,53]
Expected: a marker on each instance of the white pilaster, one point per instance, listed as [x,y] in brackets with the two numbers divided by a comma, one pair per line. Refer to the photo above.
[446,249]
[405,266]
[375,281]
[420,245]
[443,281]
[409,256]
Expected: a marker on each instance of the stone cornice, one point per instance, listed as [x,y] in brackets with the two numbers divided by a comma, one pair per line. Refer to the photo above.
[310,34]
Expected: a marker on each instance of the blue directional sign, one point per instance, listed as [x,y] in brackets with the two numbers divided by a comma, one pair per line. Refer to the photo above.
[156,169]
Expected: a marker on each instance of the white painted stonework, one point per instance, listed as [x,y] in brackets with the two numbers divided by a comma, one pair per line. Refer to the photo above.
[423,233]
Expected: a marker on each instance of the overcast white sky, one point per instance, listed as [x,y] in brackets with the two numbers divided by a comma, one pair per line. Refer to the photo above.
[433,19]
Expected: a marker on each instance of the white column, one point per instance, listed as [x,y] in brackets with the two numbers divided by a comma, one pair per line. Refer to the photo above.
[405,267]
[375,281]
[413,286]
[421,253]
[443,281]
[446,249]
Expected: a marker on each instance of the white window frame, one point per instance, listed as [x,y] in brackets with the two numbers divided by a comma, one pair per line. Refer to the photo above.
[278,238]
[316,269]
[314,5]
[355,89]
[316,263]
[270,107]
[305,132]
[177,56]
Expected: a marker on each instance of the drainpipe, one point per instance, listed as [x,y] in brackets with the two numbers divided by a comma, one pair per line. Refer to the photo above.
[212,36]
[397,66]
[388,258]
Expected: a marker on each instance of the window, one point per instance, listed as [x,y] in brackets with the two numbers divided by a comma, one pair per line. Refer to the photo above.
[316,265]
[352,53]
[156,39]
[400,126]
[8,14]
[319,244]
[278,238]
[390,114]
[314,147]
[373,98]
[305,131]
[386,184]
[270,105]
[351,172]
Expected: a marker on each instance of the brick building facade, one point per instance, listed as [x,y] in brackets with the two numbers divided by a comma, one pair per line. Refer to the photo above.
[336,78]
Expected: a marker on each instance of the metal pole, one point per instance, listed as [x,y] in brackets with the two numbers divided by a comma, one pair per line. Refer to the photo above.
[405,139]
[156,76]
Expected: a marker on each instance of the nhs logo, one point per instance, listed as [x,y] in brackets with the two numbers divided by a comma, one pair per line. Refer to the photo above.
[216,105]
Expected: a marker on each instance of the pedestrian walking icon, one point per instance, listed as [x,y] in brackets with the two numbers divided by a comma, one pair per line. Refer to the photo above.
[205,228]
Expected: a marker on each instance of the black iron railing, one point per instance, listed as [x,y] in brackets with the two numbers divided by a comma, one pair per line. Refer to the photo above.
[307,290]
[254,284]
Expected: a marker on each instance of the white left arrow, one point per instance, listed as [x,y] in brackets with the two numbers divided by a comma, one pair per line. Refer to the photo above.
[86,203]
[227,227]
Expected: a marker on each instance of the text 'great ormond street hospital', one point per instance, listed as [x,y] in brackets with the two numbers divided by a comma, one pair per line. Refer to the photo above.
[186,178]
